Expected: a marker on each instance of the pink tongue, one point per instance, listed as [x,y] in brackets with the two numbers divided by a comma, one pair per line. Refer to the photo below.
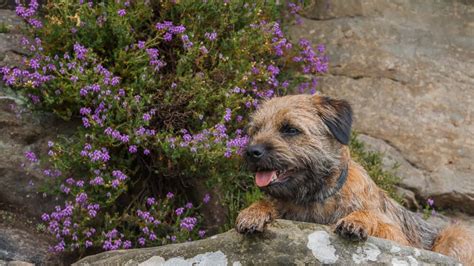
[264,178]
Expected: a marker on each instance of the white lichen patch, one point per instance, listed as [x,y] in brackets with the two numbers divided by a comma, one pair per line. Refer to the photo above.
[155,260]
[395,249]
[417,252]
[217,258]
[236,263]
[413,261]
[369,252]
[320,244]
[400,262]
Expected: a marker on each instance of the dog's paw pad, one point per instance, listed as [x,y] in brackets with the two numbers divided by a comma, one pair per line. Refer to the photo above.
[351,230]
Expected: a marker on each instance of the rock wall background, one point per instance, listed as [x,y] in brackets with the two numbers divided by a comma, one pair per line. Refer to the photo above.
[20,131]
[407,67]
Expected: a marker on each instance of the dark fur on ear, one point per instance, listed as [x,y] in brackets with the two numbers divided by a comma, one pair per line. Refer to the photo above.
[337,115]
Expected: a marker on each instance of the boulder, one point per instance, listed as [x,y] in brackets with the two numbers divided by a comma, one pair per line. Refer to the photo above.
[22,131]
[284,243]
[19,245]
[407,67]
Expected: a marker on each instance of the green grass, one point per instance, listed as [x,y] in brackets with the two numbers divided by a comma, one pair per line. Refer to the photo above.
[372,162]
[4,28]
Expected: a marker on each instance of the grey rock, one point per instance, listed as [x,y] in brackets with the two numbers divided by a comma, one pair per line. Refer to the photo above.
[407,67]
[22,131]
[284,243]
[17,244]
[15,263]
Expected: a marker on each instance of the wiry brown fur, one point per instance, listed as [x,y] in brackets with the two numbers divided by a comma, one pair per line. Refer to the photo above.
[319,154]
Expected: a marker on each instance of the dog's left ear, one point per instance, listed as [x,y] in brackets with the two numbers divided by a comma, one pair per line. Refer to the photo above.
[337,115]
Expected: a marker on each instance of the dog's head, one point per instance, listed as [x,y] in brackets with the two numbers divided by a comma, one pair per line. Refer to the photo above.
[296,145]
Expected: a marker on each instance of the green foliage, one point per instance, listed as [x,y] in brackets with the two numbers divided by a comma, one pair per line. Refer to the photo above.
[163,90]
[4,28]
[372,162]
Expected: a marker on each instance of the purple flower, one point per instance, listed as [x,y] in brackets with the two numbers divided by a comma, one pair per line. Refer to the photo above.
[45,217]
[88,243]
[119,175]
[115,183]
[65,189]
[201,233]
[273,70]
[85,122]
[170,195]
[85,111]
[203,50]
[188,223]
[31,156]
[141,241]
[430,202]
[150,201]
[146,117]
[146,152]
[124,138]
[81,198]
[122,12]
[206,198]
[212,36]
[168,37]
[141,44]
[228,115]
[177,29]
[189,205]
[115,81]
[97,181]
[152,237]
[80,51]
[179,211]
[34,63]
[186,42]
[127,244]
[99,155]
[132,149]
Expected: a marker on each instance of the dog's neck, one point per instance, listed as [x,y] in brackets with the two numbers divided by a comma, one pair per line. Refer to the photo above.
[341,180]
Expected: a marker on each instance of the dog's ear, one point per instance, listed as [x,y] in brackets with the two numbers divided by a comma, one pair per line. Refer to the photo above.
[337,115]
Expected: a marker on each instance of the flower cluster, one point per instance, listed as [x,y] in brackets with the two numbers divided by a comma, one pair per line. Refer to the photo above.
[161,99]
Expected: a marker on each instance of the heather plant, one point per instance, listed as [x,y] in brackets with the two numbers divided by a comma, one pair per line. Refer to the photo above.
[162,91]
[429,209]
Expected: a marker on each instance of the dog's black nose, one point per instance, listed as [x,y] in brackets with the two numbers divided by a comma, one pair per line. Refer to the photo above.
[256,151]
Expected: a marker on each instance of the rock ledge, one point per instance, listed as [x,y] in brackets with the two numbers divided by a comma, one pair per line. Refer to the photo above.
[284,243]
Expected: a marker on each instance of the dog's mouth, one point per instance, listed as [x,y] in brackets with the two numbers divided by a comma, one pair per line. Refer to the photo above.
[266,178]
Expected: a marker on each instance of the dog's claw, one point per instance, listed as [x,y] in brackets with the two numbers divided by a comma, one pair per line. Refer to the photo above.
[351,230]
[252,220]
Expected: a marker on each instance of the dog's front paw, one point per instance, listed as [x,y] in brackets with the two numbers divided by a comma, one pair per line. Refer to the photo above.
[351,230]
[252,220]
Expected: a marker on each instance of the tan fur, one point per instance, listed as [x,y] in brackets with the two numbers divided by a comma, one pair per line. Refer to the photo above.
[357,209]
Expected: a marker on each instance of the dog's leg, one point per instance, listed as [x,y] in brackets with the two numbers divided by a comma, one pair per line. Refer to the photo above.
[456,241]
[358,225]
[254,218]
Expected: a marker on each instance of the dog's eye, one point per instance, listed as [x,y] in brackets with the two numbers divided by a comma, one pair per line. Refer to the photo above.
[289,130]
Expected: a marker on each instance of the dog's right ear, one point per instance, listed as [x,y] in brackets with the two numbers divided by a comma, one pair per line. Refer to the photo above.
[337,115]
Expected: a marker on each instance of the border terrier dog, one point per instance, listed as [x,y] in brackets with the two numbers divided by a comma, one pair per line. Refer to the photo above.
[298,151]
